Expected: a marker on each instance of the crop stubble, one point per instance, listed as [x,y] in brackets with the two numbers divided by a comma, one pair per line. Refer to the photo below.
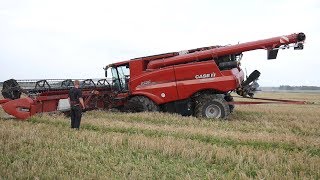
[261,141]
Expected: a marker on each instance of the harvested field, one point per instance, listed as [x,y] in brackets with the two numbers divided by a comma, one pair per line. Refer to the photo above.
[256,141]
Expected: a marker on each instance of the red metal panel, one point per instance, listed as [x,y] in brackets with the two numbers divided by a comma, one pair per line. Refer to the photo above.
[49,105]
[120,63]
[52,97]
[195,77]
[158,85]
[136,68]
[189,71]
[20,108]
[2,101]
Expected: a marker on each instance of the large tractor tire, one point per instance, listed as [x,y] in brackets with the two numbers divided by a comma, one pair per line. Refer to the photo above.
[141,104]
[229,98]
[211,106]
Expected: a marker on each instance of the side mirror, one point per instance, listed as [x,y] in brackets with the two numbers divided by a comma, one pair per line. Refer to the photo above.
[106,71]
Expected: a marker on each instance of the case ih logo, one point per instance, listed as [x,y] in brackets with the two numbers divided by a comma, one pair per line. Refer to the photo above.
[202,76]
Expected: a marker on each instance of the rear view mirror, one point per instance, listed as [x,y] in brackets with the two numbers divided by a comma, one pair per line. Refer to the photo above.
[106,71]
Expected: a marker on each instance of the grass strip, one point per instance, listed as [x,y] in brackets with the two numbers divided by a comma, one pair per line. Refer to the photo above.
[122,161]
[187,121]
[197,137]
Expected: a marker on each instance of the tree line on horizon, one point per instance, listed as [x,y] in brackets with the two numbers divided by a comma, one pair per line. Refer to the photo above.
[287,87]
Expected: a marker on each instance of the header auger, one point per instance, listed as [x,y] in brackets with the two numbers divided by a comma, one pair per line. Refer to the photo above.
[193,82]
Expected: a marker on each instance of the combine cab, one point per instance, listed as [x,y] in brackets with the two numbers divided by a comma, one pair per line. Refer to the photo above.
[192,82]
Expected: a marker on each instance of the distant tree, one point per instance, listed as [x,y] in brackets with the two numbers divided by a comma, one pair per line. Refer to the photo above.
[287,87]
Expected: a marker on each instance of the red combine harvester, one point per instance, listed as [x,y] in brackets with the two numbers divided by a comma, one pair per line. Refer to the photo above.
[193,82]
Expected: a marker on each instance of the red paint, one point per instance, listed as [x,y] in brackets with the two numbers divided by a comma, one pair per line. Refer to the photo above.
[163,78]
[2,101]
[24,108]
[20,108]
[270,101]
[226,50]
[174,74]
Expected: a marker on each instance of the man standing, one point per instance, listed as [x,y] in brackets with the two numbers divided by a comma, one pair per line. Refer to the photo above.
[76,104]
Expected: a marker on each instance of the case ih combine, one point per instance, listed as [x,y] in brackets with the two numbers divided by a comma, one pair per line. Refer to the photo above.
[193,82]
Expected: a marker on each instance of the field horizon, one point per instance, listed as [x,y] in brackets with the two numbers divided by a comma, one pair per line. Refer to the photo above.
[268,141]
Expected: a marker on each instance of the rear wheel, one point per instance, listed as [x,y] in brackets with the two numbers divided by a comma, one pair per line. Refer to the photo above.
[211,106]
[140,104]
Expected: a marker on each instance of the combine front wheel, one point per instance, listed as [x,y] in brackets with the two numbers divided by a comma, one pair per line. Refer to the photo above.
[211,106]
[229,98]
[140,104]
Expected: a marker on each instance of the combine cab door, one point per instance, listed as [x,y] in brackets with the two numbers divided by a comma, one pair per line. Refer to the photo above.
[120,78]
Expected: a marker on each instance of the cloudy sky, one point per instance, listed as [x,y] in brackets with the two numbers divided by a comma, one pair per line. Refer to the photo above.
[77,38]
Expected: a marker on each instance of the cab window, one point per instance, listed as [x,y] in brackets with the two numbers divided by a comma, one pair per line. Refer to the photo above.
[120,77]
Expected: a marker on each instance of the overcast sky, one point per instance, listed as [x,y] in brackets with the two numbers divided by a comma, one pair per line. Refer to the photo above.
[77,38]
